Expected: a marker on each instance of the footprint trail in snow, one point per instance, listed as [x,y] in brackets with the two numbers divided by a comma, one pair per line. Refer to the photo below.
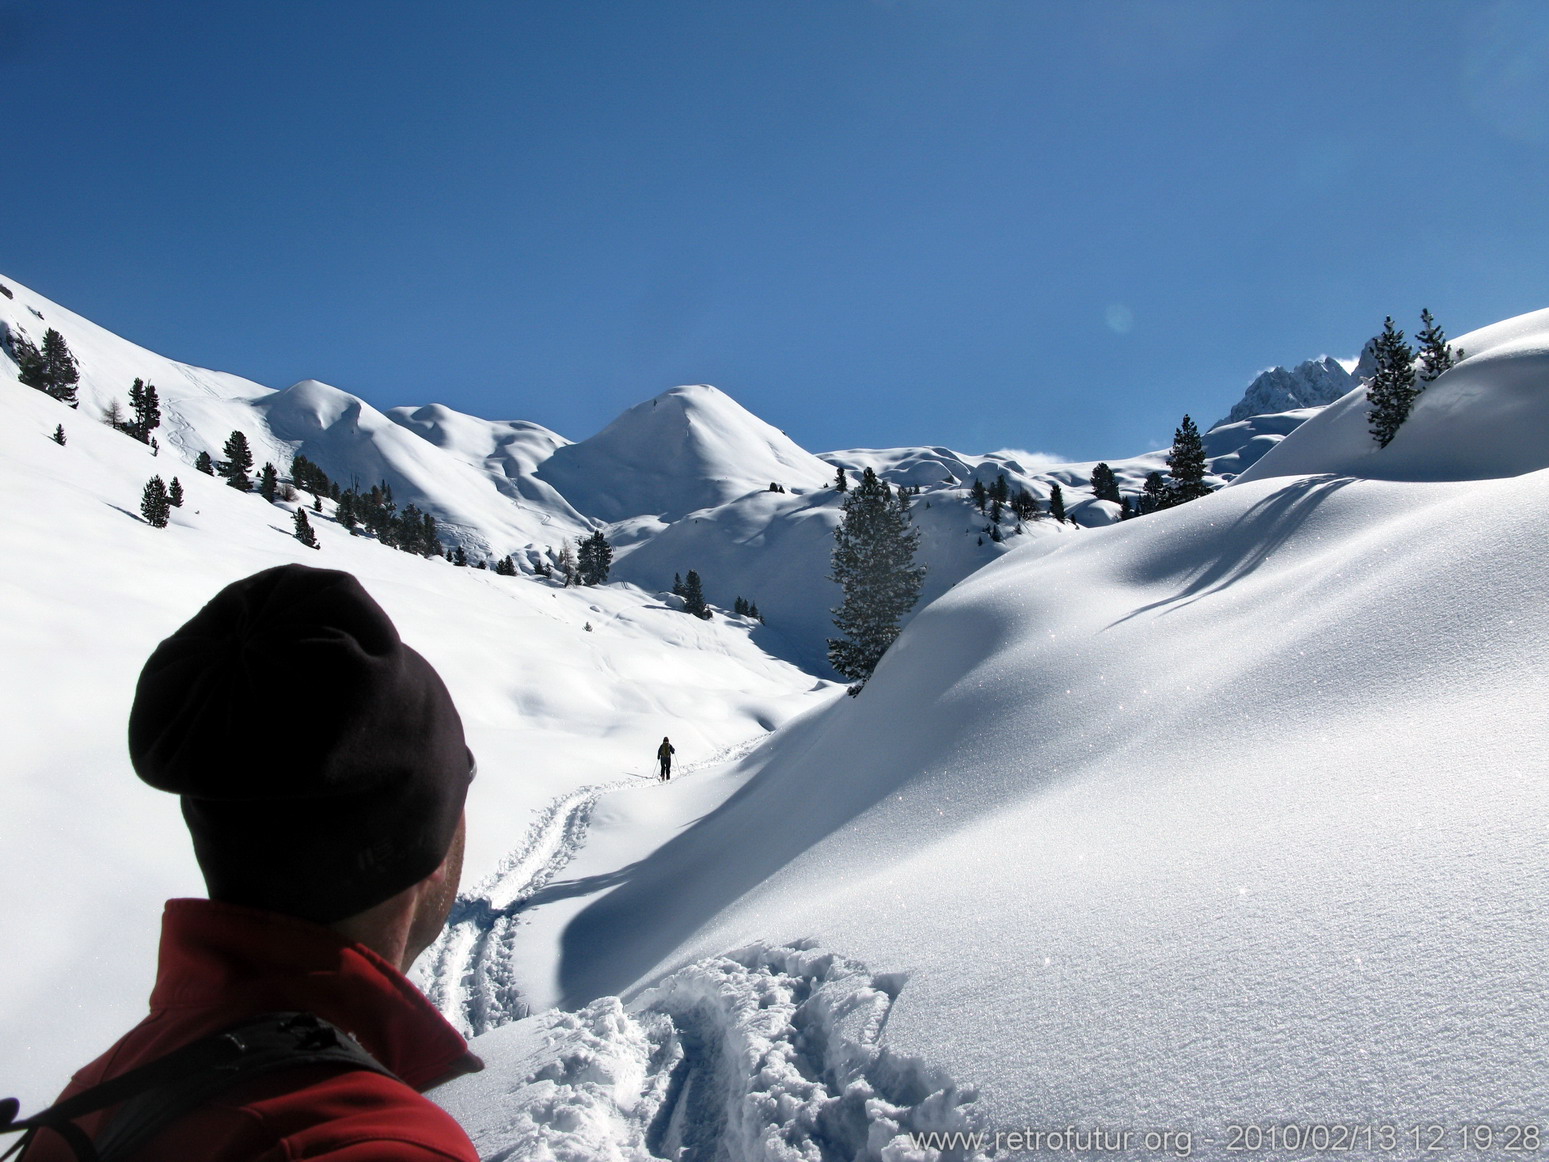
[766,1053]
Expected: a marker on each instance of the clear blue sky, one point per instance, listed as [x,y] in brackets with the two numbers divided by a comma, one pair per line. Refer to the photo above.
[980,223]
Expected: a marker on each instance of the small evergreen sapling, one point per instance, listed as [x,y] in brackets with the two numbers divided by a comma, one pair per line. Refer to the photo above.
[304,532]
[59,435]
[155,506]
[269,483]
[204,464]
[175,493]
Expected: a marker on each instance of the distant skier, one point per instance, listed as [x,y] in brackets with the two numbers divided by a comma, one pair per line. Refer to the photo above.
[664,755]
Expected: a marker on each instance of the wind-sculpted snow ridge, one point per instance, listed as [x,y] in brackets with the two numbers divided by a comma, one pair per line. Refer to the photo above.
[467,972]
[768,1054]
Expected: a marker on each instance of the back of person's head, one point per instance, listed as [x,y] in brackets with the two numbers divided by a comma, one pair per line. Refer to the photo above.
[321,763]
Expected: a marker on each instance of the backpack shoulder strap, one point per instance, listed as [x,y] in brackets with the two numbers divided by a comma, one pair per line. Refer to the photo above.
[161,1091]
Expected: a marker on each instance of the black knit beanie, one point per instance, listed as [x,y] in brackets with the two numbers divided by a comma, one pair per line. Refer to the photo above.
[320,761]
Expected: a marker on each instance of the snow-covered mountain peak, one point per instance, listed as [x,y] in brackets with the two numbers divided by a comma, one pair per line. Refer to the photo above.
[1310,384]
[688,448]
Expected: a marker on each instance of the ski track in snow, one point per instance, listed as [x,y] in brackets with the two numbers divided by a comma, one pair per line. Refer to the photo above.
[767,1053]
[467,972]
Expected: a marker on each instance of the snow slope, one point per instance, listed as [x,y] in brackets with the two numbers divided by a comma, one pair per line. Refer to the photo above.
[1232,814]
[87,589]
[1485,418]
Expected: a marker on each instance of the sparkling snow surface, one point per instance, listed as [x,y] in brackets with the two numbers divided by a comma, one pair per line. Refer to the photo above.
[1233,813]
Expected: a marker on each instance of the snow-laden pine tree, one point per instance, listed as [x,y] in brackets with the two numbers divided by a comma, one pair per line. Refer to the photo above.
[1391,390]
[1186,465]
[1436,354]
[873,562]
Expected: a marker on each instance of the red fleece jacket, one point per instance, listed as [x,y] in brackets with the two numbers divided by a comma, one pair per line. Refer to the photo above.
[221,963]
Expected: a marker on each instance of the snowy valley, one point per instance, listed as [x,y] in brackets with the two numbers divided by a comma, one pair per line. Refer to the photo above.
[1234,814]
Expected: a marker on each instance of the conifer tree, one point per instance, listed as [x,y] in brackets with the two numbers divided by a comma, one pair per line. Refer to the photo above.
[269,482]
[677,585]
[1391,390]
[594,558]
[1000,490]
[566,565]
[1154,496]
[694,596]
[740,606]
[506,567]
[841,481]
[147,410]
[175,493]
[1186,465]
[155,506]
[239,460]
[1128,510]
[1057,503]
[1023,506]
[204,464]
[57,370]
[1105,485]
[29,362]
[874,548]
[304,532]
[1436,354]
[59,435]
[979,494]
